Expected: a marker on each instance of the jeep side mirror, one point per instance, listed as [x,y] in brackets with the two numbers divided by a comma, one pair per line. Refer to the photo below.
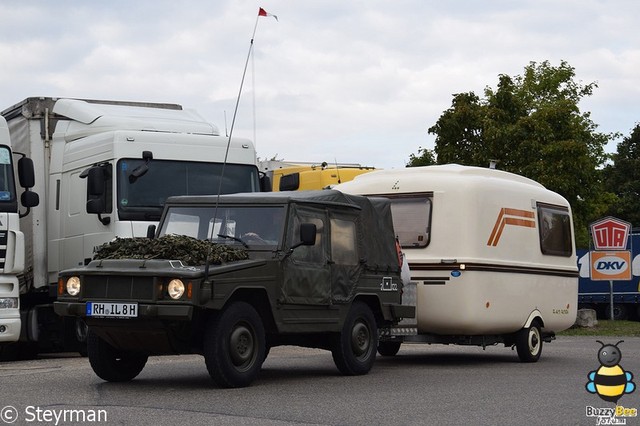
[307,236]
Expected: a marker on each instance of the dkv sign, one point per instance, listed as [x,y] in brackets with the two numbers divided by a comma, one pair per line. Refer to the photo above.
[610,261]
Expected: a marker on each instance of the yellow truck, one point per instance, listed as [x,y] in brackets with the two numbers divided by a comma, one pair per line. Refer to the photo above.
[287,176]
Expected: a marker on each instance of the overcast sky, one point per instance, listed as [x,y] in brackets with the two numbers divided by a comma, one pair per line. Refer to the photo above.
[335,80]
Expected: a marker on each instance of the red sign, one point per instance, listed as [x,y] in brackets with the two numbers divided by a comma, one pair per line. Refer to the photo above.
[610,234]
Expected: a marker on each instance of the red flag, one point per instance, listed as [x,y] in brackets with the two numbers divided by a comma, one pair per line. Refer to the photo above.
[263,12]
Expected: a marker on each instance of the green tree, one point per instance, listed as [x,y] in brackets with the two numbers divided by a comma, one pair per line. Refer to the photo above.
[531,125]
[425,157]
[623,178]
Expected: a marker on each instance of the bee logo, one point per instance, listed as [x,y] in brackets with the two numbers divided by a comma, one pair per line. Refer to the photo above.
[610,381]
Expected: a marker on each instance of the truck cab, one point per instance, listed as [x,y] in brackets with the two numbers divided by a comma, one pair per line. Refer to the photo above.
[12,246]
[311,274]
[104,170]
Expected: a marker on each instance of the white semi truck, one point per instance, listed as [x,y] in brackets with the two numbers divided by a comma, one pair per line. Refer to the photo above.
[104,170]
[11,238]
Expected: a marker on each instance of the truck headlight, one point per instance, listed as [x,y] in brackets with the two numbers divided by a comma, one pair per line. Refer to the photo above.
[73,286]
[175,289]
[8,303]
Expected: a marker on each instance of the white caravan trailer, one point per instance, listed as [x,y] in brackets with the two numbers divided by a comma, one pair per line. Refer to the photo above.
[491,254]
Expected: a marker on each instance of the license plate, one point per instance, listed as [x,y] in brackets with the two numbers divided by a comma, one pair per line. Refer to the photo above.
[112,310]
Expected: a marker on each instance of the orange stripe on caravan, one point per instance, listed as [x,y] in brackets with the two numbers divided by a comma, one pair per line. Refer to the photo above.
[502,221]
[495,227]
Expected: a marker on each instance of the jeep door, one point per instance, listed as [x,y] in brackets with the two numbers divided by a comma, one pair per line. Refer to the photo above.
[306,272]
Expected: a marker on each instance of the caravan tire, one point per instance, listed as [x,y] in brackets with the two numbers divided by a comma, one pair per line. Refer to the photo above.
[354,349]
[110,364]
[529,343]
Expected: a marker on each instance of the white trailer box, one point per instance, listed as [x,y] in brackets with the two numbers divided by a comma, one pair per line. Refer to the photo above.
[104,169]
[491,254]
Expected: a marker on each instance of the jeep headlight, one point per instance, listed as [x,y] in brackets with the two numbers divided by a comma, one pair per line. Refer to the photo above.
[175,289]
[73,286]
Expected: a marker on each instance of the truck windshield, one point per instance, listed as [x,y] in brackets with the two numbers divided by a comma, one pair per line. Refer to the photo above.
[143,197]
[259,227]
[8,200]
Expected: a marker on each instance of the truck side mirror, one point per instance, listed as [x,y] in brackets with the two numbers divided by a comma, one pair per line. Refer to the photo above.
[98,191]
[265,184]
[142,169]
[151,232]
[26,174]
[27,179]
[29,199]
[95,182]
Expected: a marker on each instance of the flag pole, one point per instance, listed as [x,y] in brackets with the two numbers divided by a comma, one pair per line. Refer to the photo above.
[235,110]
[226,153]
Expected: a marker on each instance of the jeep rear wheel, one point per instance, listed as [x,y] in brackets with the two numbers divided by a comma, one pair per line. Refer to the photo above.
[111,364]
[234,346]
[354,349]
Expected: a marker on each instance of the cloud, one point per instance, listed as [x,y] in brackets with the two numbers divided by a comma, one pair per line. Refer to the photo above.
[360,81]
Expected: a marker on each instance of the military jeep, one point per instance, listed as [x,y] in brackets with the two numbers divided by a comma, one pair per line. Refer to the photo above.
[320,270]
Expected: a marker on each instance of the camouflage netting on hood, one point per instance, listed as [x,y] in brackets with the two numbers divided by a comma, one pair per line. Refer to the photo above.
[189,250]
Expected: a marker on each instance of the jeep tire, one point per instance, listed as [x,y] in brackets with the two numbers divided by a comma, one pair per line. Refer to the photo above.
[110,364]
[354,349]
[234,346]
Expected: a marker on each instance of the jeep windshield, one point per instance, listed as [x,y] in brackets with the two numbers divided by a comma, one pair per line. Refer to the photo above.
[254,227]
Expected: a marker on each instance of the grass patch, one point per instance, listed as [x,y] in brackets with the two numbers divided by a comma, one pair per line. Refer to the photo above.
[606,328]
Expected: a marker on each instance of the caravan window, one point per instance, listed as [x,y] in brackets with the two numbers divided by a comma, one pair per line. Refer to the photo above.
[412,219]
[554,224]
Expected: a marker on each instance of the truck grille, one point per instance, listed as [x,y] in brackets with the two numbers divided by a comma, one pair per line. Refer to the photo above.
[118,287]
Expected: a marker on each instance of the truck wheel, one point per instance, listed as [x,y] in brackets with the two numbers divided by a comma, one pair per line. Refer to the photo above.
[234,346]
[529,343]
[388,348]
[620,312]
[110,364]
[354,349]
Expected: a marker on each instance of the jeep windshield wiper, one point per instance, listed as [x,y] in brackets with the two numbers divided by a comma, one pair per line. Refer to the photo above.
[231,237]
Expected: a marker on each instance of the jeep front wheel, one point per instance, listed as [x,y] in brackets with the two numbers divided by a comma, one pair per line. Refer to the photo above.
[234,346]
[354,349]
[111,364]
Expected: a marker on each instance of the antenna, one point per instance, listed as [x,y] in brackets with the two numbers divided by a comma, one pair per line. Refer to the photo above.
[261,12]
[335,160]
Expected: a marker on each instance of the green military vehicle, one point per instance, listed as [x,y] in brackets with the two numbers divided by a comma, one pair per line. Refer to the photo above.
[311,268]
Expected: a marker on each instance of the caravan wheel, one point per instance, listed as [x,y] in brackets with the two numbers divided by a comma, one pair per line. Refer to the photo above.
[529,343]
